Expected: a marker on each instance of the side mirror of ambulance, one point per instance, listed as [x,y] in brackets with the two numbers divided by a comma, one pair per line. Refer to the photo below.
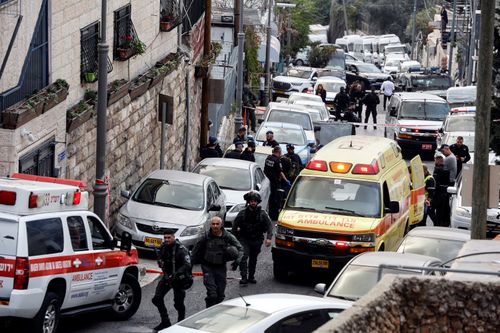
[125,194]
[320,288]
[126,242]
[393,207]
[451,190]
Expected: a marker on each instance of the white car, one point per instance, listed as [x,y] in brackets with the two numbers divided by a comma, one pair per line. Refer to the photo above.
[297,79]
[296,96]
[291,114]
[270,313]
[317,110]
[235,178]
[332,86]
[461,122]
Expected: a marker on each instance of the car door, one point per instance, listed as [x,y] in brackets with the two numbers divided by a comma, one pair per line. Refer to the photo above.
[417,191]
[302,322]
[265,186]
[9,230]
[219,199]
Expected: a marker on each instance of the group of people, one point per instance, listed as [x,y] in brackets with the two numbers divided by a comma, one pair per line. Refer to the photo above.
[215,248]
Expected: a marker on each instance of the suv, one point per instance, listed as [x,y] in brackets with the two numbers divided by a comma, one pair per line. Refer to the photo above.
[433,83]
[299,79]
[57,258]
[414,120]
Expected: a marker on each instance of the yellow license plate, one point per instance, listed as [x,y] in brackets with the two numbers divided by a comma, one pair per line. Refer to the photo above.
[317,263]
[152,242]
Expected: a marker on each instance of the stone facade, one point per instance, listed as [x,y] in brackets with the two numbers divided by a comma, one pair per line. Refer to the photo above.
[422,305]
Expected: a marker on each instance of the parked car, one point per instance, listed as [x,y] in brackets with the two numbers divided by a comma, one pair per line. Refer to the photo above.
[296,79]
[260,153]
[235,178]
[459,122]
[318,110]
[439,242]
[461,96]
[296,96]
[360,275]
[369,74]
[270,313]
[168,199]
[287,133]
[332,86]
[433,83]
[302,57]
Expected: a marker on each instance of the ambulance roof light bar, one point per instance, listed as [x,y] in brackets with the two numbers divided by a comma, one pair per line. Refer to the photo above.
[82,185]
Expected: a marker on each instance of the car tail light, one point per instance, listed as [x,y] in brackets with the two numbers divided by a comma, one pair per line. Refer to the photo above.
[366,169]
[340,167]
[76,197]
[284,243]
[32,203]
[316,165]
[341,245]
[21,273]
[361,249]
[7,198]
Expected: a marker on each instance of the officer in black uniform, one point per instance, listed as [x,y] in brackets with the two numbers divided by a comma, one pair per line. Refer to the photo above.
[274,173]
[212,149]
[461,152]
[212,251]
[240,137]
[249,226]
[293,161]
[236,152]
[270,140]
[341,102]
[174,260]
[248,153]
[371,100]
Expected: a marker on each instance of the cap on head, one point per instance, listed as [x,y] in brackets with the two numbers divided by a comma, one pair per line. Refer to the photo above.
[251,144]
[269,132]
[276,149]
[290,146]
[252,195]
[212,140]
[238,144]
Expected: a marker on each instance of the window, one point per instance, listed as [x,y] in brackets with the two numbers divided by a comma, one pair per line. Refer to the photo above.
[89,37]
[210,197]
[299,323]
[77,233]
[169,8]
[100,237]
[45,236]
[124,33]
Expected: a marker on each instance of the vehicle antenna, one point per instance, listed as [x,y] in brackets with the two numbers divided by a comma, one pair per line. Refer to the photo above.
[350,144]
[246,304]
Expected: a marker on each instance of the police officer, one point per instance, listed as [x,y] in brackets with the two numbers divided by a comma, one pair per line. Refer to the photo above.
[248,153]
[270,140]
[461,152]
[240,137]
[212,251]
[430,187]
[174,260]
[440,204]
[371,100]
[236,152]
[249,226]
[212,149]
[341,102]
[293,161]
[274,172]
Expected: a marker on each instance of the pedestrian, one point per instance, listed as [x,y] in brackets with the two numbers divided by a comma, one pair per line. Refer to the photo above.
[341,102]
[249,106]
[321,92]
[371,100]
[430,187]
[440,204]
[356,94]
[236,152]
[444,18]
[213,250]
[387,88]
[270,142]
[248,153]
[212,149]
[175,262]
[450,162]
[262,89]
[249,227]
[274,172]
[240,136]
[293,163]
[461,152]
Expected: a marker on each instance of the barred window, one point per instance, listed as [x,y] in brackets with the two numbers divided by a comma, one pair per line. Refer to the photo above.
[169,8]
[89,37]
[123,27]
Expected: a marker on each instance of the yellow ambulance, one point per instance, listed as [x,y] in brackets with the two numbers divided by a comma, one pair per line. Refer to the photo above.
[355,195]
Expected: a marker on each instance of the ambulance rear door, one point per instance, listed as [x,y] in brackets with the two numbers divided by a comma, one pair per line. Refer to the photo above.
[8,251]
[418,190]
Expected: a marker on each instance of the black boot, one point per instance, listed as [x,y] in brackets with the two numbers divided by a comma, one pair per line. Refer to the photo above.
[244,280]
[181,315]
[164,324]
[252,280]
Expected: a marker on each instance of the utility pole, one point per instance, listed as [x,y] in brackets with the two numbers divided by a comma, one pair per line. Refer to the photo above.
[452,39]
[207,48]
[268,53]
[414,28]
[346,31]
[237,18]
[100,186]
[238,120]
[480,179]
[472,42]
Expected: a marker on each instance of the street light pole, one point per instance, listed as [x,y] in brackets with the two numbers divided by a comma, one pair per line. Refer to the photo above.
[268,54]
[414,28]
[100,186]
[452,38]
[238,120]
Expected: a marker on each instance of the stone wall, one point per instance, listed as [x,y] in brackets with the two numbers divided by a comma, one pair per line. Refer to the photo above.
[133,137]
[419,304]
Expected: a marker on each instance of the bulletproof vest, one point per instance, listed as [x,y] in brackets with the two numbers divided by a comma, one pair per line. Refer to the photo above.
[214,252]
[252,226]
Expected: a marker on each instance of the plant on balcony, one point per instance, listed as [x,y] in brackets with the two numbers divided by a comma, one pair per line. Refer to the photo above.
[17,115]
[139,86]
[90,97]
[90,76]
[117,90]
[78,115]
[55,94]
[169,22]
[203,68]
[130,46]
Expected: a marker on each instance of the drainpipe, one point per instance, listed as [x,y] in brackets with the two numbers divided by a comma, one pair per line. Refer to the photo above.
[188,118]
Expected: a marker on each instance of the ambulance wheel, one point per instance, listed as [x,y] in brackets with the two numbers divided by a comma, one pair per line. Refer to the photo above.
[47,319]
[280,272]
[127,299]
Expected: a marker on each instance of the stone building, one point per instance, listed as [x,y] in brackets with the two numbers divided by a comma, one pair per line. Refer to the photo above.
[48,73]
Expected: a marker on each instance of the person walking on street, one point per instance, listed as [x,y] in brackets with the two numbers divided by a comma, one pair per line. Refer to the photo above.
[274,172]
[236,152]
[461,152]
[249,226]
[212,149]
[440,204]
[213,250]
[240,136]
[387,88]
[248,153]
[371,100]
[175,262]
[356,93]
[270,142]
[321,92]
[450,162]
[341,102]
[430,187]
[249,106]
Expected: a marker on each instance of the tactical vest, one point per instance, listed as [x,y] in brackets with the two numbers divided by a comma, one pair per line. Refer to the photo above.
[425,182]
[252,229]
[214,252]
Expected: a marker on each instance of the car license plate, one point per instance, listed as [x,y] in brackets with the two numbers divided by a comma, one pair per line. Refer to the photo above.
[317,263]
[152,242]
[427,146]
[280,91]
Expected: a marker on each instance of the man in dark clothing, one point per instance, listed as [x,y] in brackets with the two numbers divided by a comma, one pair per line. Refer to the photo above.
[291,163]
[440,204]
[461,152]
[240,137]
[212,149]
[174,260]
[430,188]
[270,140]
[249,107]
[341,102]
[371,100]
[248,153]
[236,152]
[356,94]
[212,251]
[274,172]
[444,18]
[249,226]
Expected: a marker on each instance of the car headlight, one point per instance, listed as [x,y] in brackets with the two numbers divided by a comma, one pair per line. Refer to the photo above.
[237,208]
[125,221]
[462,212]
[403,129]
[192,231]
[363,238]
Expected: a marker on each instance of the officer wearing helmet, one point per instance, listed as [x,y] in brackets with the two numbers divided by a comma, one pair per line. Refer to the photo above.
[249,227]
[291,163]
[341,102]
[213,250]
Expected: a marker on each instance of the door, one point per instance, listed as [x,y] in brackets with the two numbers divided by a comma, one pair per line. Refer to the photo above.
[219,199]
[8,251]
[417,200]
[265,186]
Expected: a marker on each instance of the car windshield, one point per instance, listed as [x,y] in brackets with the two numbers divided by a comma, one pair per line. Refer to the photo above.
[224,319]
[332,86]
[303,74]
[460,124]
[291,117]
[167,193]
[226,177]
[283,135]
[356,281]
[335,196]
[260,159]
[424,110]
[337,60]
[431,83]
[442,249]
[367,47]
[368,68]
[468,141]
[296,97]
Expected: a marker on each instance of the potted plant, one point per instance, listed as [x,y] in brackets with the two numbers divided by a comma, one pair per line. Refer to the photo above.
[168,22]
[130,46]
[117,90]
[202,70]
[36,102]
[78,115]
[90,97]
[139,86]
[61,87]
[90,77]
[55,94]
[17,115]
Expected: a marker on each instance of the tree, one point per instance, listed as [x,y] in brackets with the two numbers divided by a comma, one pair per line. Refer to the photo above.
[423,19]
[319,56]
[252,65]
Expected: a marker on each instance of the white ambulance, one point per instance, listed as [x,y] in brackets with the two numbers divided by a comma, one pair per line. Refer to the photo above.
[57,258]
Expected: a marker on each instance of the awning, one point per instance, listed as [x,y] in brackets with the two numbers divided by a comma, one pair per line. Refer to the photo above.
[275,49]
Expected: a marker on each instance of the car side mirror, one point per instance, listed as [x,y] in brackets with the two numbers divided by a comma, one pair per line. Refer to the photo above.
[126,242]
[125,194]
[214,208]
[441,130]
[311,144]
[317,128]
[393,112]
[451,190]
[258,187]
[314,79]
[393,208]
[320,288]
